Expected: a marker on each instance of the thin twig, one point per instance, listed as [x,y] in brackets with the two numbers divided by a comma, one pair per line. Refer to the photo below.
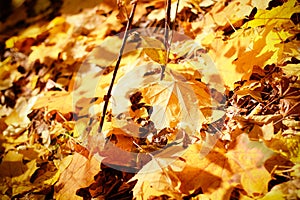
[166,38]
[108,95]
[174,22]
[168,44]
[167,23]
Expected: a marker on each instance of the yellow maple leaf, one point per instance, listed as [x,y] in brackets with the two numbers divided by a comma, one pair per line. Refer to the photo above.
[224,55]
[221,170]
[250,183]
[173,99]
[277,15]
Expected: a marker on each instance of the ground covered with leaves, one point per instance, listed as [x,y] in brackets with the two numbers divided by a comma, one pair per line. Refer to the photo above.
[216,120]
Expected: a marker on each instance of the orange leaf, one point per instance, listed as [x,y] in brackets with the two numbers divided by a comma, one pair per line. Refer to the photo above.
[79,173]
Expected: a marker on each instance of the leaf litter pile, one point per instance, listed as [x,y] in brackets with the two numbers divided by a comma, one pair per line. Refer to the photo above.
[214,116]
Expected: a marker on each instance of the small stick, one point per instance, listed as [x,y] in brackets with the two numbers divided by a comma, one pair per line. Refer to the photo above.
[174,22]
[167,23]
[108,95]
[166,38]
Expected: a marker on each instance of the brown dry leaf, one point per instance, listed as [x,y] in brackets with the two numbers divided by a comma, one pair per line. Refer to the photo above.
[78,174]
[265,132]
[120,151]
[249,88]
[264,119]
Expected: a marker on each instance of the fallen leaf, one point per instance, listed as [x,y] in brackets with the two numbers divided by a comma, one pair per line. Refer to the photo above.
[287,146]
[174,101]
[55,100]
[78,174]
[214,172]
[250,183]
[15,174]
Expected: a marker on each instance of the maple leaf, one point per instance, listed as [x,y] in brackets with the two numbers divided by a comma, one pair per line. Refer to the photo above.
[225,53]
[242,159]
[218,172]
[154,49]
[173,100]
[277,29]
[157,177]
[78,173]
[275,15]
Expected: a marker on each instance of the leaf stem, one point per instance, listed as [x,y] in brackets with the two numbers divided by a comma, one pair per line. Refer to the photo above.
[108,95]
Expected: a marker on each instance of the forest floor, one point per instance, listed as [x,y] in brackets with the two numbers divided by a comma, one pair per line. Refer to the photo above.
[209,111]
